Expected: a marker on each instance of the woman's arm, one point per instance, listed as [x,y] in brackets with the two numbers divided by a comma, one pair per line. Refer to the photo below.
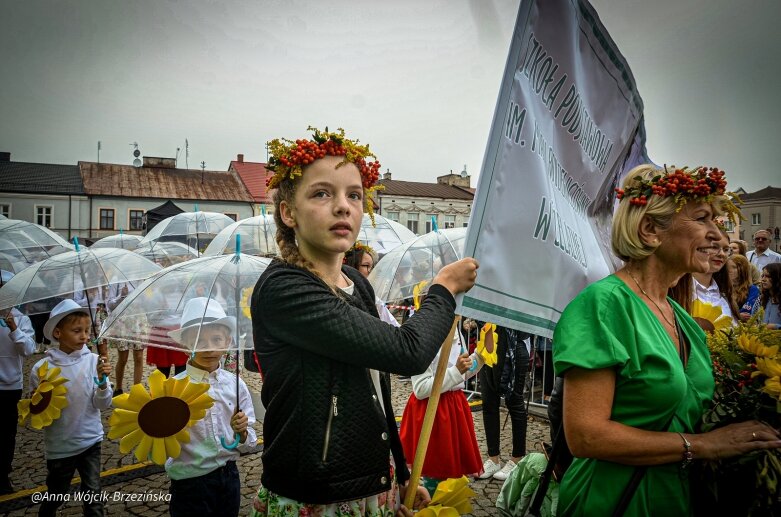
[588,400]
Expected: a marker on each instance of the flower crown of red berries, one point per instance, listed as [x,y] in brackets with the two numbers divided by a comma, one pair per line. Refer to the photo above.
[287,159]
[683,184]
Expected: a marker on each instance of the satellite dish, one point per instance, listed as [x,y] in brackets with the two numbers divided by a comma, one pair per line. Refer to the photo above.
[136,153]
[136,162]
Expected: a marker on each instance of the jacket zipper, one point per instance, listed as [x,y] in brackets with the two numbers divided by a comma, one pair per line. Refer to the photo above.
[332,412]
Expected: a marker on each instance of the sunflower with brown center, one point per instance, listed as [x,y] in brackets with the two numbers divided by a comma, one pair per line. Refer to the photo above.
[155,422]
[709,317]
[47,401]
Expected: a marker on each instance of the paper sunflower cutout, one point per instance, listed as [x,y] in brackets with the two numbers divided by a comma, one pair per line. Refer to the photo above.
[47,401]
[451,499]
[156,421]
[487,341]
[709,317]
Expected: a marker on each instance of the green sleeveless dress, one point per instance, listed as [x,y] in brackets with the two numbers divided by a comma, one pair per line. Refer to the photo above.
[608,326]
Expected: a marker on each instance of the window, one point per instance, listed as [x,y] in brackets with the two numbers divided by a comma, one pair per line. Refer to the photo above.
[429,225]
[106,218]
[728,226]
[5,210]
[450,221]
[393,216]
[235,217]
[136,219]
[43,216]
[412,222]
[756,219]
[466,224]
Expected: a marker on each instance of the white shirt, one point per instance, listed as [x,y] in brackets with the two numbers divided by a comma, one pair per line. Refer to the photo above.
[453,380]
[712,295]
[763,259]
[79,426]
[14,347]
[205,453]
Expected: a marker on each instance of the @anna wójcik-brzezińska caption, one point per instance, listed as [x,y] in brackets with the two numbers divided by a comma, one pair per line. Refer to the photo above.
[116,496]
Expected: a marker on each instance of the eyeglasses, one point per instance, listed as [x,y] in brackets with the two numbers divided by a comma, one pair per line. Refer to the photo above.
[367,267]
[760,239]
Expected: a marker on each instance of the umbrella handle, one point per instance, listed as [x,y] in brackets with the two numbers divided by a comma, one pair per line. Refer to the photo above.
[102,380]
[231,446]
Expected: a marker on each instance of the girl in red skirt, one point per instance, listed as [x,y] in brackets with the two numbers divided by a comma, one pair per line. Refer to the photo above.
[452,451]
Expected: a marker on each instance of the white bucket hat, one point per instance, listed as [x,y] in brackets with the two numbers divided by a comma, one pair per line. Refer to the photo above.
[202,311]
[59,311]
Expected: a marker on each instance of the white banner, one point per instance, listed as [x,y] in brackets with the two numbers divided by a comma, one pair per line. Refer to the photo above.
[568,123]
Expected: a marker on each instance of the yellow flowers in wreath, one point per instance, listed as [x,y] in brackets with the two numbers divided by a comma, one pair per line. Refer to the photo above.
[155,422]
[47,401]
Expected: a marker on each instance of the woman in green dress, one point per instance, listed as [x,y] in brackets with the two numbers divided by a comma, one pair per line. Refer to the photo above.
[637,371]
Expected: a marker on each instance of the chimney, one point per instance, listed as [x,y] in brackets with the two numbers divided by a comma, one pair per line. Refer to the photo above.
[387,174]
[5,157]
[240,158]
[160,163]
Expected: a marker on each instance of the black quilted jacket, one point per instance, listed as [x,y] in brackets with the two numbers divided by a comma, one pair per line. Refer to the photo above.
[326,438]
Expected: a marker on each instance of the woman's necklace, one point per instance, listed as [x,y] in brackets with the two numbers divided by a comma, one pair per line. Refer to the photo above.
[672,325]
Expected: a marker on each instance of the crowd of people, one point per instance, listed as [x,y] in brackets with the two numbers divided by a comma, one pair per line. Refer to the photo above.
[636,370]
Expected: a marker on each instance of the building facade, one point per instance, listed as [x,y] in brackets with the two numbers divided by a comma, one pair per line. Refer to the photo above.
[418,206]
[119,195]
[254,176]
[51,195]
[762,210]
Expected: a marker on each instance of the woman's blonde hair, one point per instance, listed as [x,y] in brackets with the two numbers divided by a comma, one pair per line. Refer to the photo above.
[625,236]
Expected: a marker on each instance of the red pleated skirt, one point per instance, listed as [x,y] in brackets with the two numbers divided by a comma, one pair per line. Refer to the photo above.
[452,450]
[163,357]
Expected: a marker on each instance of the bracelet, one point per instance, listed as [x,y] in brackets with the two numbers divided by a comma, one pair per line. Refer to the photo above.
[688,455]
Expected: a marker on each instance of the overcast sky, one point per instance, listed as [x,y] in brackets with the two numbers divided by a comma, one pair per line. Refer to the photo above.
[417,79]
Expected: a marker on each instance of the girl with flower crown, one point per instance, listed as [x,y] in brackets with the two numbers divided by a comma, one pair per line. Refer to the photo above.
[330,440]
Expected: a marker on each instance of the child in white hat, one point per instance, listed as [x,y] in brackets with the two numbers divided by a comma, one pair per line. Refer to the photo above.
[72,442]
[204,478]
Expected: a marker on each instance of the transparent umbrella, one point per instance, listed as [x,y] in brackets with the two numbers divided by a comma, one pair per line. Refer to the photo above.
[385,235]
[258,237]
[74,274]
[395,276]
[155,308]
[166,253]
[120,240]
[196,229]
[28,242]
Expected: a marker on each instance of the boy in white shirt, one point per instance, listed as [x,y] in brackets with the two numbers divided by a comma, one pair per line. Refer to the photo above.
[17,341]
[204,478]
[72,442]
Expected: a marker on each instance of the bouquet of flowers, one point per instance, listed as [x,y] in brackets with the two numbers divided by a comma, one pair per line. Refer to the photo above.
[747,371]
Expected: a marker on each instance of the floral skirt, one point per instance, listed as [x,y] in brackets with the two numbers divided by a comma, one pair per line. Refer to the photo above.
[269,504]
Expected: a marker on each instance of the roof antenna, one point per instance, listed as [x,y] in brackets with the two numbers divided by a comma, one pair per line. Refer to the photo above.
[203,169]
[176,160]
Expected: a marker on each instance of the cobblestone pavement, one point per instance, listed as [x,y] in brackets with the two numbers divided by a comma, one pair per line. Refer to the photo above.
[124,477]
